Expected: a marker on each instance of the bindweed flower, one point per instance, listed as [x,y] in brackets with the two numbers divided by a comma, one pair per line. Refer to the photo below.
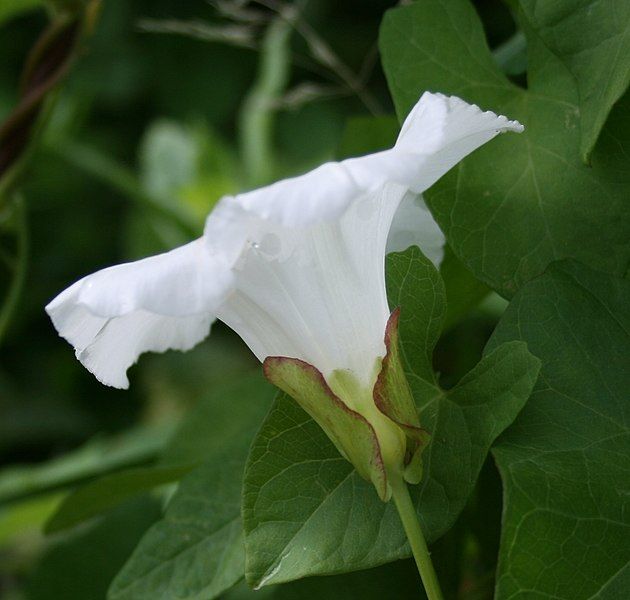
[297,270]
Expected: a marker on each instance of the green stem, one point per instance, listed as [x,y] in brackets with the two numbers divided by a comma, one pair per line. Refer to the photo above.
[19,277]
[410,522]
[258,110]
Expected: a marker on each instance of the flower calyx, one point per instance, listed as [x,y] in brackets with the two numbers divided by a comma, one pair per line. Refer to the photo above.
[377,428]
[349,431]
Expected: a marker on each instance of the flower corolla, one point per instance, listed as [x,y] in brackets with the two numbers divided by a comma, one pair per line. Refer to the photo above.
[295,268]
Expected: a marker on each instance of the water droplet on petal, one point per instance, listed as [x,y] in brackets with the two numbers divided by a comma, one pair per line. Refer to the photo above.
[269,245]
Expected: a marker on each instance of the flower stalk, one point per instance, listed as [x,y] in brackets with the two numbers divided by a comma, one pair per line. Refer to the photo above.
[419,548]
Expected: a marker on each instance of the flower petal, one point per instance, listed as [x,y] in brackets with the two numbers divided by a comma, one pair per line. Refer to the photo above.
[318,293]
[122,340]
[166,301]
[413,225]
[322,194]
[444,130]
[438,133]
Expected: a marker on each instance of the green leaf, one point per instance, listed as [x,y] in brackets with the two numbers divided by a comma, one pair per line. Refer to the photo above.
[375,584]
[187,167]
[565,463]
[26,517]
[524,200]
[463,290]
[190,446]
[168,159]
[80,566]
[307,512]
[415,286]
[196,550]
[227,416]
[95,458]
[592,40]
[107,492]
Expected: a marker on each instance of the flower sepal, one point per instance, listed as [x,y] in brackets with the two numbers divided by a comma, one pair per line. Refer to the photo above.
[392,396]
[371,442]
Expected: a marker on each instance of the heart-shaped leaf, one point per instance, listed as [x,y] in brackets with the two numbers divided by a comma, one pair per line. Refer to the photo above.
[525,200]
[566,461]
[592,39]
[196,550]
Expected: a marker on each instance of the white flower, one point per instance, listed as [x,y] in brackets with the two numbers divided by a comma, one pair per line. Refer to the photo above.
[295,268]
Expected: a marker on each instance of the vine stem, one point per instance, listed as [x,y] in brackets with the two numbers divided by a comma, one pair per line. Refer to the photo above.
[256,117]
[411,525]
[19,277]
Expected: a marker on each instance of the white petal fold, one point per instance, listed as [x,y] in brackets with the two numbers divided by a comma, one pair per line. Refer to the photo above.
[413,225]
[296,268]
[164,302]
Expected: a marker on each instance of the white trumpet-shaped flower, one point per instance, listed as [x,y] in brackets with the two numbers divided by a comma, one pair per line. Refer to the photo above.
[295,268]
